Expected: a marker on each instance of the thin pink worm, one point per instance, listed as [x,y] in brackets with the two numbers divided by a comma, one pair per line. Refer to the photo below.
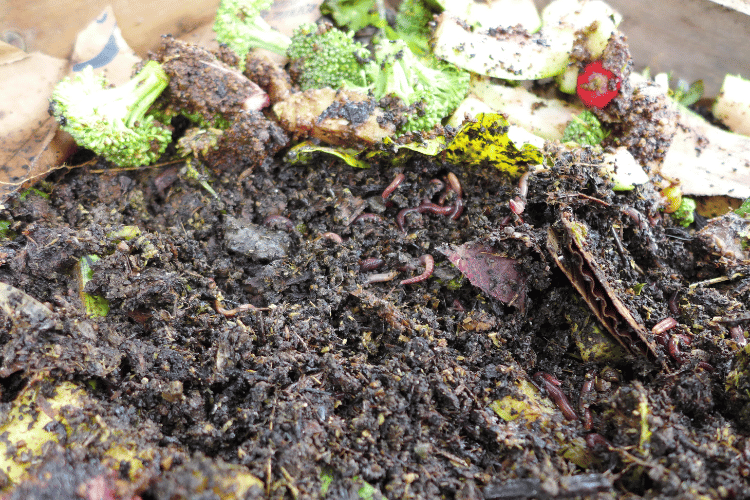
[393,185]
[551,384]
[664,325]
[737,335]
[333,237]
[380,277]
[273,219]
[429,266]
[367,217]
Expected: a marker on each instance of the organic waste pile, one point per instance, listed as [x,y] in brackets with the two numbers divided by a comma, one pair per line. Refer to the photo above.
[355,276]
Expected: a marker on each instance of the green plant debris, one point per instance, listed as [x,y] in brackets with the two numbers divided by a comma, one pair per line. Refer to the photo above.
[95,306]
[577,452]
[133,233]
[685,214]
[27,430]
[112,122]
[526,403]
[304,153]
[326,478]
[353,14]
[595,344]
[429,147]
[580,231]
[585,129]
[25,194]
[323,56]
[191,173]
[687,94]
[743,209]
[644,411]
[485,142]
[367,491]
[5,231]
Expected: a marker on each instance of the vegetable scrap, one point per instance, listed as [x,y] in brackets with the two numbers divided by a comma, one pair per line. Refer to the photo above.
[597,86]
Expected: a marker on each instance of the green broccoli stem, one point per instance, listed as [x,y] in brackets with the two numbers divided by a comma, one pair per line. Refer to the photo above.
[268,38]
[141,91]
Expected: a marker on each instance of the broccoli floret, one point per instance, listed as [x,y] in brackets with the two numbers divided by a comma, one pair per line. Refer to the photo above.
[685,214]
[322,56]
[585,129]
[412,25]
[239,24]
[434,91]
[353,14]
[112,122]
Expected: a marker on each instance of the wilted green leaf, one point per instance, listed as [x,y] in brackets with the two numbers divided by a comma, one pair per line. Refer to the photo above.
[303,153]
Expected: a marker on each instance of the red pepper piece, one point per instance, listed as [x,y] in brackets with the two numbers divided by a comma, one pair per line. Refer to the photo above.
[597,86]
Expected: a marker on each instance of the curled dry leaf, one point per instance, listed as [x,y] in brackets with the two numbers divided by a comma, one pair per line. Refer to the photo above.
[489,270]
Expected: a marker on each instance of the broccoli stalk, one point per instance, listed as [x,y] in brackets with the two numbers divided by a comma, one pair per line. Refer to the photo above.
[240,26]
[434,92]
[112,122]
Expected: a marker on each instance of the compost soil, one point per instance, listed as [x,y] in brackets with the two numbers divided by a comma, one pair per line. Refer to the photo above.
[233,338]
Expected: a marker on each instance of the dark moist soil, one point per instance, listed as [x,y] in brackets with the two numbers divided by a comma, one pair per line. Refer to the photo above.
[334,383]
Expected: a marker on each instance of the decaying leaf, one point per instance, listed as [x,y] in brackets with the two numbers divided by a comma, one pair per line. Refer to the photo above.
[568,247]
[487,269]
[486,142]
[304,151]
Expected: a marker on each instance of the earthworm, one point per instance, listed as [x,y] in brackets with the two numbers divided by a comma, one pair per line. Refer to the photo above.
[523,185]
[550,384]
[737,335]
[635,215]
[370,264]
[517,205]
[333,237]
[673,308]
[673,347]
[393,185]
[380,277]
[427,206]
[401,217]
[230,313]
[583,404]
[664,325]
[454,184]
[429,266]
[458,208]
[705,366]
[458,205]
[367,217]
[275,219]
[452,211]
[594,440]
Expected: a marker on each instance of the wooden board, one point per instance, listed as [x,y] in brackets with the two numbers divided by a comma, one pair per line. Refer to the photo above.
[51,26]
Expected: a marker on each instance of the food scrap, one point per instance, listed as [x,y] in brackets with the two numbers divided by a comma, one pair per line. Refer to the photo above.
[597,86]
